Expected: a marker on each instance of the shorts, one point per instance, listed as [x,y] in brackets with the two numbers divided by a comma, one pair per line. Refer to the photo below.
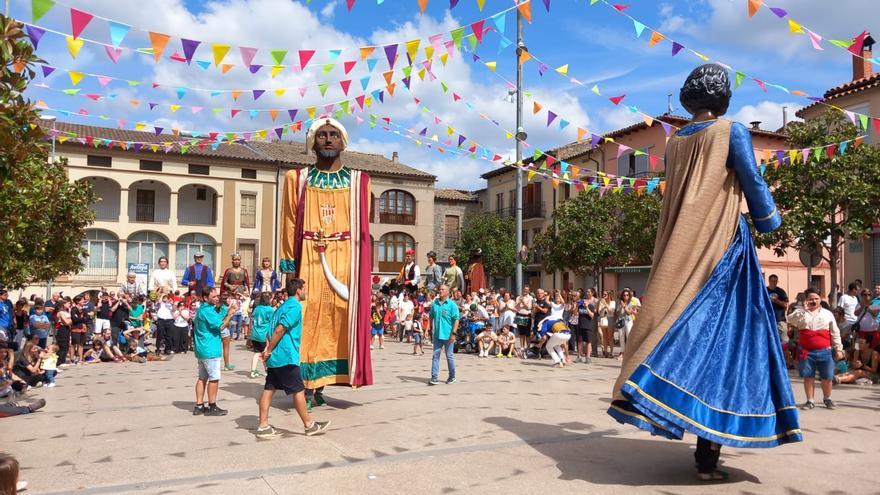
[583,334]
[209,369]
[101,324]
[78,338]
[224,334]
[258,346]
[821,361]
[417,338]
[285,378]
[377,330]
[782,327]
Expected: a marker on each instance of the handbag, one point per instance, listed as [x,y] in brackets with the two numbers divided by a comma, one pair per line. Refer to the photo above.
[603,321]
[621,323]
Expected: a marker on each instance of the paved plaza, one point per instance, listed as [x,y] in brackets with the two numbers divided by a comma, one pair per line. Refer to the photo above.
[507,426]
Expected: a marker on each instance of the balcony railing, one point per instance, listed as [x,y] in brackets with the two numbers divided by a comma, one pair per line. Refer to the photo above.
[196,220]
[145,212]
[529,210]
[398,218]
[97,274]
[106,212]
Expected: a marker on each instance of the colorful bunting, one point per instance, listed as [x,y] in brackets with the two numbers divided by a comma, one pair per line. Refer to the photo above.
[159,41]
[118,32]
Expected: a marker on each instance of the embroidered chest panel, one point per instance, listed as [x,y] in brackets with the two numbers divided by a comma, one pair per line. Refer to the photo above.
[340,179]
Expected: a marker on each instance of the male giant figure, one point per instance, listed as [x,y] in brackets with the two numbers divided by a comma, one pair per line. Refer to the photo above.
[325,240]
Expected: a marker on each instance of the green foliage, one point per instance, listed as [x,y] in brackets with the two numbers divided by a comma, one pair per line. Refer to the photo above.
[825,200]
[594,231]
[495,236]
[44,214]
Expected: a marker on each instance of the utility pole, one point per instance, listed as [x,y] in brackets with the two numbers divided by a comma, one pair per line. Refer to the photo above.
[520,137]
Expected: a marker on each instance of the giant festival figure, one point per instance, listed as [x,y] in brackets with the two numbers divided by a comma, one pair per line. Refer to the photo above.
[704,355]
[325,240]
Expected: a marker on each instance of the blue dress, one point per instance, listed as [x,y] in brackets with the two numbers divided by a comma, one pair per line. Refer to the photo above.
[704,355]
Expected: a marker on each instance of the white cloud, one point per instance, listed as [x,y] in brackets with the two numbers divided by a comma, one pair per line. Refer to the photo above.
[769,113]
[328,10]
[617,118]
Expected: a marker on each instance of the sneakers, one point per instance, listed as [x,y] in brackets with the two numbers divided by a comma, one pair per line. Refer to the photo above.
[830,403]
[451,380]
[434,381]
[808,405]
[317,428]
[51,384]
[199,410]
[254,374]
[37,404]
[578,360]
[213,410]
[498,355]
[267,433]
[588,360]
[229,367]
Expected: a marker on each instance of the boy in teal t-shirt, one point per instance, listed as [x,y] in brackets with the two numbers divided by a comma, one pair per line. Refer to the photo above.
[282,363]
[211,318]
[261,325]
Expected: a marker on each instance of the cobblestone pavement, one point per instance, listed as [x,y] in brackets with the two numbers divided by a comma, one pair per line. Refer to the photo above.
[507,426]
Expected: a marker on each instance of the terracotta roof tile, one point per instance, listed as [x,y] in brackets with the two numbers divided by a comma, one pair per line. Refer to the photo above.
[846,89]
[454,195]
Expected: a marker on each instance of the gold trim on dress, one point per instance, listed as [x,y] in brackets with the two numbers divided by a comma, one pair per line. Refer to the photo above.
[637,416]
[706,428]
[768,217]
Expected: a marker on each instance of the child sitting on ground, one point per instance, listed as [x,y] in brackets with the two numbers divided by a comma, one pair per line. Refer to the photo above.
[486,340]
[506,344]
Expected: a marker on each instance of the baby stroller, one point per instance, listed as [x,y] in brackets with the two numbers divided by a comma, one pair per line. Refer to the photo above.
[465,338]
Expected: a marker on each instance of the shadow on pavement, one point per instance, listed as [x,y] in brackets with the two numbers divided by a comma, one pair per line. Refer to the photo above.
[600,457]
[249,423]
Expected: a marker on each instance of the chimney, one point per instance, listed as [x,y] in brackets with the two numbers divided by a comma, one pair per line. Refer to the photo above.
[862,65]
[756,125]
[394,158]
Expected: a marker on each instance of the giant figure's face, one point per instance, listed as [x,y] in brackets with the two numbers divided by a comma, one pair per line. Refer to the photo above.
[328,141]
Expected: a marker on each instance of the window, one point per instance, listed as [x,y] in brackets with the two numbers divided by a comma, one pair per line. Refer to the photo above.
[201,194]
[145,207]
[103,256]
[248,210]
[152,165]
[630,165]
[397,207]
[145,247]
[98,161]
[452,231]
[188,245]
[199,169]
[864,109]
[391,248]
[499,202]
[248,173]
[511,202]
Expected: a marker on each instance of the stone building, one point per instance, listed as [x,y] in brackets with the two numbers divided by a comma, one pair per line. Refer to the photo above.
[451,209]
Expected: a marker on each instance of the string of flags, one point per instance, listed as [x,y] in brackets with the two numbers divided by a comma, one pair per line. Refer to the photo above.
[221,52]
[739,76]
[853,46]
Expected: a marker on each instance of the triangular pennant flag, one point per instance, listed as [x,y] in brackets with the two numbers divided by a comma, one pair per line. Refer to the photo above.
[322,87]
[864,121]
[39,8]
[235,94]
[481,4]
[258,93]
[78,21]
[35,34]
[349,4]
[391,54]
[73,45]
[225,68]
[780,13]
[276,69]
[815,39]
[247,55]
[159,41]
[858,44]
[254,68]
[365,81]
[655,38]
[327,68]
[47,69]
[639,27]
[536,107]
[676,47]
[75,77]
[304,57]
[754,5]
[477,29]
[348,66]
[550,117]
[761,84]
[525,8]
[457,35]
[234,112]
[181,92]
[345,85]
[366,51]
[562,69]
[616,99]
[118,32]
[278,56]
[524,56]
[794,27]
[189,48]
[204,64]
[491,65]
[219,51]
[739,79]
[371,64]
[500,21]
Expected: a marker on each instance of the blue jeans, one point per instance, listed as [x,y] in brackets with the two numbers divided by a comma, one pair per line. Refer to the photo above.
[235,327]
[439,345]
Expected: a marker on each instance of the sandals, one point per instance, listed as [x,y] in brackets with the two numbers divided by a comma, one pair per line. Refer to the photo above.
[716,475]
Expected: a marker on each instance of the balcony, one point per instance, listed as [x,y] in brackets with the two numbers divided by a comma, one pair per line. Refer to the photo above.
[529,210]
[97,274]
[397,218]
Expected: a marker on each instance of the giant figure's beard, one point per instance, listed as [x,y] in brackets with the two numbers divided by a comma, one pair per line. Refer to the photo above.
[328,153]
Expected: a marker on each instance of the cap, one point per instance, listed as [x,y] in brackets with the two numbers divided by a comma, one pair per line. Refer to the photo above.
[199,254]
[410,252]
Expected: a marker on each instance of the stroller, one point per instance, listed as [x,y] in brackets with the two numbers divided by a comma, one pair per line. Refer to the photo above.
[465,337]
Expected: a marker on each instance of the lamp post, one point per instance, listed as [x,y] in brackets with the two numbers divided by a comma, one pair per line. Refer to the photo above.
[53,119]
[520,137]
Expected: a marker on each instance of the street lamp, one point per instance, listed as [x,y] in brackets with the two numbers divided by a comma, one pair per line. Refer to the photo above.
[52,119]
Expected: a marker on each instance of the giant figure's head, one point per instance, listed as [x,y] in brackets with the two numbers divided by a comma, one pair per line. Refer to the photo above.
[327,138]
[707,88]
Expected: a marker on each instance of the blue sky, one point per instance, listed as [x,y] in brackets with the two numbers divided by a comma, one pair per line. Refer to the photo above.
[599,46]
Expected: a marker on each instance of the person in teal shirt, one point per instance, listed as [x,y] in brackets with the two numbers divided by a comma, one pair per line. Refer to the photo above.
[281,356]
[261,324]
[211,318]
[444,322]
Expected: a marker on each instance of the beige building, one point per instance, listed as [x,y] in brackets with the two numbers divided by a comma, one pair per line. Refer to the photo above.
[861,95]
[220,202]
[451,209]
[541,197]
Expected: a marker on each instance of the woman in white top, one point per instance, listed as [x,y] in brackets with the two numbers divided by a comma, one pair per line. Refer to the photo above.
[508,311]
[163,280]
[606,314]
[626,312]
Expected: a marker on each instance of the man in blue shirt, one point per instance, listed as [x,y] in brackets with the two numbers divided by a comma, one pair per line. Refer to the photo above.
[282,363]
[211,318]
[198,276]
[6,309]
[444,320]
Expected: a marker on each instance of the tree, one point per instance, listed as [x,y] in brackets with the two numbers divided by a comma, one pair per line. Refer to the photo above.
[827,200]
[593,231]
[44,214]
[495,236]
